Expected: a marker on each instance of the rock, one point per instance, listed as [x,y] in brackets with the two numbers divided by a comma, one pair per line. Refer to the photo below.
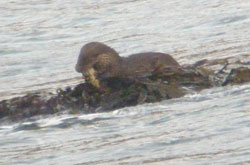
[113,93]
[237,76]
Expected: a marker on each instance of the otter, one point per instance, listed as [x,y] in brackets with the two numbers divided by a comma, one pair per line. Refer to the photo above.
[107,63]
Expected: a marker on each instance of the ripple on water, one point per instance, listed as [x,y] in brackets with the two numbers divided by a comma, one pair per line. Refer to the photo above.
[41,40]
[169,132]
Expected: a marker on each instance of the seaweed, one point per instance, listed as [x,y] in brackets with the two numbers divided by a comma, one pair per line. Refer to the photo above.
[113,93]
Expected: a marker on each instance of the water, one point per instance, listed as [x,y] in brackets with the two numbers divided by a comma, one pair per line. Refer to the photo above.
[39,44]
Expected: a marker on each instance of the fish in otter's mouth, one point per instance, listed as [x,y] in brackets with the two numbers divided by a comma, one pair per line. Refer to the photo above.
[91,78]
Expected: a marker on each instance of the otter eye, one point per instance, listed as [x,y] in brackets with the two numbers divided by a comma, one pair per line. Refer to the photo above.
[97,66]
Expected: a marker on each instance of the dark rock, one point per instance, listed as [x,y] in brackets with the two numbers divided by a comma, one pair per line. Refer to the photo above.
[120,92]
[237,76]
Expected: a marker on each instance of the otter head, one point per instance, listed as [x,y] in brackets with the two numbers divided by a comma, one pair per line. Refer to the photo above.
[98,56]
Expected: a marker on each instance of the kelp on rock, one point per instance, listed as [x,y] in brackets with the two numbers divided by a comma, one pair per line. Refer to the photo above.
[115,93]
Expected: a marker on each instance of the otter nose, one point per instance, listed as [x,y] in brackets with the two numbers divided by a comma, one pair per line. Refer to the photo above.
[78,68]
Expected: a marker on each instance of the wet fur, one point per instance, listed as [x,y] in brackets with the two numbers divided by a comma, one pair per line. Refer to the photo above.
[107,63]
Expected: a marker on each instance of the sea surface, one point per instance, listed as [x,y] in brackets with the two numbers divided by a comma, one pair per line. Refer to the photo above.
[39,44]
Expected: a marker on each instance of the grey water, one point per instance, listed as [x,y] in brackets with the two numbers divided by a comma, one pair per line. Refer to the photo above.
[39,45]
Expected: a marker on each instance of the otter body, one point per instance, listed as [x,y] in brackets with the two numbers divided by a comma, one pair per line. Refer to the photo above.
[144,64]
[107,63]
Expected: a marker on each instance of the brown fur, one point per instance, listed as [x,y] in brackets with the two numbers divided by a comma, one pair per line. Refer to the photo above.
[107,62]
